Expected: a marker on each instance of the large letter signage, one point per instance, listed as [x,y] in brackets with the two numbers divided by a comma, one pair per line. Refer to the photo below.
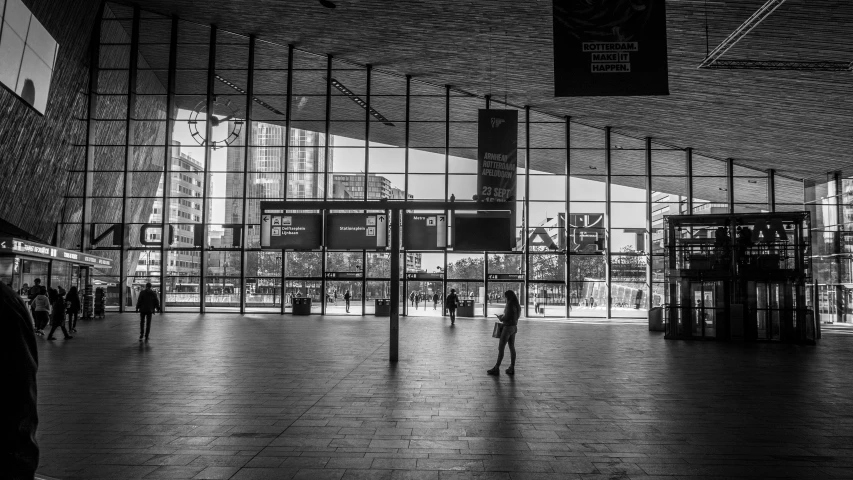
[497,155]
[610,48]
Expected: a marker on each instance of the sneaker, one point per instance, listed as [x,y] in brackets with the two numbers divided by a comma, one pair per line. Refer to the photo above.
[146,339]
[494,371]
[140,338]
[510,371]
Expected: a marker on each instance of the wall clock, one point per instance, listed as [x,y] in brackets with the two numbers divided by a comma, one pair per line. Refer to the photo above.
[199,114]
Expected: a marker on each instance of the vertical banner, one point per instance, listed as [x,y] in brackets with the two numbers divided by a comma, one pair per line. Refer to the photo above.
[497,155]
[610,48]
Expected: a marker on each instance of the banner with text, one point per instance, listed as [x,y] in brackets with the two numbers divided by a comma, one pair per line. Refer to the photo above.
[610,48]
[497,155]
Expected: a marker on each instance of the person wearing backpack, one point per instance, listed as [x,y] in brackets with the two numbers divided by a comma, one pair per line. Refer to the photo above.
[451,302]
[72,308]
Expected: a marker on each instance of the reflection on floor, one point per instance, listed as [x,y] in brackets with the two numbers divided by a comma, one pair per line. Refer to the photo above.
[265,396]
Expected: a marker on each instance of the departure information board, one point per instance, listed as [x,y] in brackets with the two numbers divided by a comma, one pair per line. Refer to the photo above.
[293,231]
[356,231]
[424,231]
[483,231]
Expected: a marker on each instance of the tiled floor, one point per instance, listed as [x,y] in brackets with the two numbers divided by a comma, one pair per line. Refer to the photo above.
[262,396]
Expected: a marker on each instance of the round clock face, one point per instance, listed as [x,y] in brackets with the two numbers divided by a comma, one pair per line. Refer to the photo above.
[199,114]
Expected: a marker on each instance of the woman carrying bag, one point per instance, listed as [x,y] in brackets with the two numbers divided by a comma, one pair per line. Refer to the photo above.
[509,321]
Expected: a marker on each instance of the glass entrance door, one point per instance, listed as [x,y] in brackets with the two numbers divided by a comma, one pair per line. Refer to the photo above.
[705,308]
[304,288]
[420,301]
[496,299]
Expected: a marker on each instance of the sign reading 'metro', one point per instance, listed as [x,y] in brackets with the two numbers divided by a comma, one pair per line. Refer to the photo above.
[424,231]
[295,231]
[497,155]
[356,231]
[610,48]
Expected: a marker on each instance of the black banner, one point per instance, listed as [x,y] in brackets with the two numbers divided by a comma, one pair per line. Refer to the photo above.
[297,231]
[424,231]
[610,48]
[497,155]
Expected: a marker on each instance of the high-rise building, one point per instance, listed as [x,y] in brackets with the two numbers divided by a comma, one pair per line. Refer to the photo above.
[185,204]
[266,170]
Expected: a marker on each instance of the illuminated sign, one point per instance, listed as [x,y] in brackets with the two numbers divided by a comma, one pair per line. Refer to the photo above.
[295,231]
[33,249]
[356,231]
[424,231]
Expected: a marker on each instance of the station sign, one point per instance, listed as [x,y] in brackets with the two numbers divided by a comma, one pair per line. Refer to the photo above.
[40,250]
[293,231]
[425,276]
[505,276]
[356,231]
[344,275]
[424,231]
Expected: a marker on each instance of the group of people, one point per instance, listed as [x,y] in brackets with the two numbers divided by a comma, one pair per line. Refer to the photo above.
[51,306]
[415,298]
[332,297]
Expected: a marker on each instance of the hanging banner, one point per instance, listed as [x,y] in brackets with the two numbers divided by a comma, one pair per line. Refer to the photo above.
[610,48]
[497,155]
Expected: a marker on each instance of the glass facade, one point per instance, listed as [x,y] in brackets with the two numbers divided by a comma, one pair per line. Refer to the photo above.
[191,127]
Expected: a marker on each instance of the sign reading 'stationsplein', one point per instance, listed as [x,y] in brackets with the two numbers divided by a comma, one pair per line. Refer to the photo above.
[497,155]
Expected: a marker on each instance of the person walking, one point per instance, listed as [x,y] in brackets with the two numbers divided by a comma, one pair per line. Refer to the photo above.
[417,300]
[435,299]
[146,305]
[57,317]
[450,303]
[412,298]
[512,311]
[72,308]
[347,298]
[40,305]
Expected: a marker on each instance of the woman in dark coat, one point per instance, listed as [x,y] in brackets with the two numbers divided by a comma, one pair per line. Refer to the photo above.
[510,326]
[72,308]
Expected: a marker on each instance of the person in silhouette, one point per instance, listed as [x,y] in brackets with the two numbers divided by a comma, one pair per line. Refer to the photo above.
[510,326]
[146,305]
[435,299]
[347,298]
[20,451]
[57,317]
[451,302]
[72,308]
[41,309]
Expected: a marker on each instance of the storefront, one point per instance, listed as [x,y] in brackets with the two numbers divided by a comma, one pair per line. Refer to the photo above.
[23,261]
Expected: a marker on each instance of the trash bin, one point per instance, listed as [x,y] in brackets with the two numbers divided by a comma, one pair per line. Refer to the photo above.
[383,307]
[656,319]
[465,308]
[302,306]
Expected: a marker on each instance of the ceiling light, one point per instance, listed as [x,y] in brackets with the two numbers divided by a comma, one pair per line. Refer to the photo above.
[327,4]
[346,91]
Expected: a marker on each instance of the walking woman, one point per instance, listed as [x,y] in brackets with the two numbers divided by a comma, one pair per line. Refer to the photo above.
[41,309]
[72,308]
[510,326]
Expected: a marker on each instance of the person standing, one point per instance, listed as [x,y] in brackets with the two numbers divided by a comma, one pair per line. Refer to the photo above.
[417,300]
[450,303]
[57,318]
[512,311]
[412,298]
[20,450]
[72,308]
[41,309]
[347,298]
[146,305]
[435,299]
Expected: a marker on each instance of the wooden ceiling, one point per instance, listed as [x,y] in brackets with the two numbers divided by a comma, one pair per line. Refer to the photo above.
[798,123]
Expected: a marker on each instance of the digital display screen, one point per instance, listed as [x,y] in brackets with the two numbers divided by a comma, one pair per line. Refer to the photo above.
[483,231]
[356,231]
[302,231]
[27,54]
